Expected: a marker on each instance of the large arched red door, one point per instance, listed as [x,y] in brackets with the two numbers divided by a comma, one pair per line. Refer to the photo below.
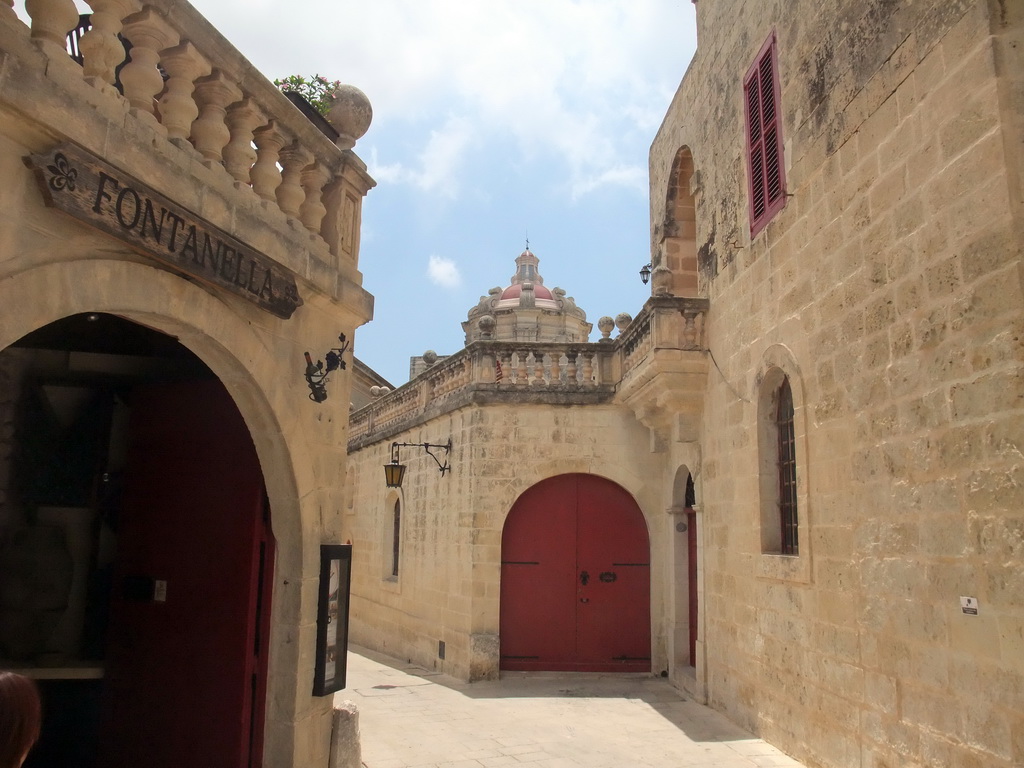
[575,579]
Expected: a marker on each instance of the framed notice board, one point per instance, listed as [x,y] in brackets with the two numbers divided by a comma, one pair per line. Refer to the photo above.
[332,619]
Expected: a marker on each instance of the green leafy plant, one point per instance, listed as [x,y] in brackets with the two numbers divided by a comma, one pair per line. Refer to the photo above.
[317,90]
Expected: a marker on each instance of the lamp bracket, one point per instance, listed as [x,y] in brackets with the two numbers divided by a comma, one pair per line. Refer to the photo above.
[446,447]
[316,373]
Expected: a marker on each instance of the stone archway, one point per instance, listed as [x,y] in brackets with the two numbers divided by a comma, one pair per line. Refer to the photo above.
[227,342]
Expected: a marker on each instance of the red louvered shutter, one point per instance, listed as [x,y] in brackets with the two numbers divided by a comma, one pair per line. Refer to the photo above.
[764,137]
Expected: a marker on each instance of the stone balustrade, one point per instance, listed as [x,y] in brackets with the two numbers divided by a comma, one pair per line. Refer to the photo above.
[184,80]
[666,322]
[563,373]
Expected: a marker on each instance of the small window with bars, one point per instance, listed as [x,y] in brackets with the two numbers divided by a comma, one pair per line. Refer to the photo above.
[761,92]
[787,470]
[396,538]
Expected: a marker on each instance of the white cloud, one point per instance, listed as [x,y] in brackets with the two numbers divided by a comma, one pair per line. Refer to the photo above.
[443,272]
[632,177]
[436,166]
[562,80]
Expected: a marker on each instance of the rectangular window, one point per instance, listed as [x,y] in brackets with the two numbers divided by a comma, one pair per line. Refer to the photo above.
[762,94]
[396,538]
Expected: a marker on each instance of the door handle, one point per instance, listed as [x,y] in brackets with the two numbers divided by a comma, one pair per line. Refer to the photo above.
[584,578]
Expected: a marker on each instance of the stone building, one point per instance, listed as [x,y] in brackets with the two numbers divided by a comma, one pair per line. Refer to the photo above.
[819,413]
[163,468]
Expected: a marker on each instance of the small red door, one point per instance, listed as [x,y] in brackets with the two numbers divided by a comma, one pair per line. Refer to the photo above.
[575,581]
[186,669]
[691,580]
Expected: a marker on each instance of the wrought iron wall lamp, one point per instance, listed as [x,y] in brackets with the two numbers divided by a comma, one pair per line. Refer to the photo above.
[645,273]
[395,471]
[316,373]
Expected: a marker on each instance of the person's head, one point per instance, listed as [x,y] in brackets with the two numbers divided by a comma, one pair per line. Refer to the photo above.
[20,718]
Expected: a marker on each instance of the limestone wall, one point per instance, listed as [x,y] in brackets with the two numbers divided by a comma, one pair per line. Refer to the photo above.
[889,291]
[52,266]
[449,581]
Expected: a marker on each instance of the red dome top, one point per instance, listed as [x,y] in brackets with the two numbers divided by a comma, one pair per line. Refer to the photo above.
[515,291]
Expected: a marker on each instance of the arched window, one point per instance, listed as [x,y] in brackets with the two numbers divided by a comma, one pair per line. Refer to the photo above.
[781,474]
[786,469]
[679,233]
[396,538]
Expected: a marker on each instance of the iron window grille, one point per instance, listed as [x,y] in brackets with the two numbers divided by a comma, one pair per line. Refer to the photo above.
[787,470]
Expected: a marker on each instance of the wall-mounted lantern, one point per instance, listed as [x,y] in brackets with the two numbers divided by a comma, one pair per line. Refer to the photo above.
[645,273]
[395,471]
[316,373]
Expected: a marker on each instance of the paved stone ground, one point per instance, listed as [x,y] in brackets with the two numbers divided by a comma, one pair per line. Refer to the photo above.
[411,717]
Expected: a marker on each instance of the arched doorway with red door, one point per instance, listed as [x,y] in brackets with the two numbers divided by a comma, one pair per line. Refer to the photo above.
[575,579]
[136,551]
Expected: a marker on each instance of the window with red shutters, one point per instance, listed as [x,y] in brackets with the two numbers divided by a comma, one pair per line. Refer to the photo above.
[764,137]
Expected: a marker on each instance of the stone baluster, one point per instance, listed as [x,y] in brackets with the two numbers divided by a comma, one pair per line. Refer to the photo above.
[239,156]
[210,133]
[522,375]
[505,360]
[290,195]
[102,50]
[313,209]
[689,332]
[588,369]
[265,175]
[538,369]
[51,22]
[149,33]
[570,366]
[178,109]
[556,367]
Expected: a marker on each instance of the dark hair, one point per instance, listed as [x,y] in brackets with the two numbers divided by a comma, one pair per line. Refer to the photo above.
[20,718]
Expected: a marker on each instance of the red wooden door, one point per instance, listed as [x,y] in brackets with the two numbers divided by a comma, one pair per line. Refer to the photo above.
[575,581]
[691,580]
[186,674]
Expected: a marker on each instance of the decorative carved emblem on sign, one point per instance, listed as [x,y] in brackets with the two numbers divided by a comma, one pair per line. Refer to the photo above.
[91,190]
[63,174]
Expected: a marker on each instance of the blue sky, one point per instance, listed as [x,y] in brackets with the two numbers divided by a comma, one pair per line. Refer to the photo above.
[492,119]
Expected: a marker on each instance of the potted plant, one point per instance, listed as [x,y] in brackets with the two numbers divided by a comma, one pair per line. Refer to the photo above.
[313,97]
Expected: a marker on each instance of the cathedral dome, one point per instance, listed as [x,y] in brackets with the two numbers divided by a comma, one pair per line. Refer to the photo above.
[527,310]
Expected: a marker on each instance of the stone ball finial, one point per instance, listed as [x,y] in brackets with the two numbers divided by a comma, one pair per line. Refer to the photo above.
[486,324]
[430,357]
[622,321]
[605,325]
[375,391]
[350,115]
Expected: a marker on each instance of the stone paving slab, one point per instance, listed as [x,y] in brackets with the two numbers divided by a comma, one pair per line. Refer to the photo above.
[414,718]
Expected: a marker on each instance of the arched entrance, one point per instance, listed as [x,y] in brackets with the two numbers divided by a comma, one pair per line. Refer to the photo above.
[134,484]
[575,579]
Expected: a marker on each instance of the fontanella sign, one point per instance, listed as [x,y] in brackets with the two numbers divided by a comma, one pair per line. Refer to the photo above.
[93,191]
